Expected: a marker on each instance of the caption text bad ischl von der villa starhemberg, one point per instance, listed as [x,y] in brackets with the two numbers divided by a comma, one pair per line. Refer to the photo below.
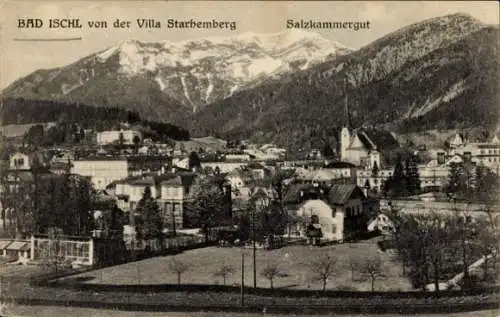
[186,24]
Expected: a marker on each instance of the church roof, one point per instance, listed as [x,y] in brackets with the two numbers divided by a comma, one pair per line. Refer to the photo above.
[376,139]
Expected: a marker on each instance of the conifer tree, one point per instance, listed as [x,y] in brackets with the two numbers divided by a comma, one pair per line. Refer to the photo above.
[412,175]
[152,224]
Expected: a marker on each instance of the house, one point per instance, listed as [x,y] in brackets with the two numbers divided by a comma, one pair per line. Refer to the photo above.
[128,137]
[371,180]
[329,173]
[172,192]
[60,168]
[101,170]
[223,167]
[455,141]
[339,210]
[15,249]
[175,195]
[25,161]
[141,164]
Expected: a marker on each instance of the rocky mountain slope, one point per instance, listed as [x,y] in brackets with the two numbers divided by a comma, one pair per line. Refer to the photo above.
[166,80]
[439,73]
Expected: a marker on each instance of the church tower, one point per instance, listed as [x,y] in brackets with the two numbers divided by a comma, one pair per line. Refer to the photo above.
[345,134]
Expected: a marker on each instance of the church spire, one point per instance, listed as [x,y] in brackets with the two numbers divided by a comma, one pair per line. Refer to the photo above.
[347,118]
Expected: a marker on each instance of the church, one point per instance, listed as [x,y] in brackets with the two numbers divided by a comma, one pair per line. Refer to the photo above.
[356,147]
[362,147]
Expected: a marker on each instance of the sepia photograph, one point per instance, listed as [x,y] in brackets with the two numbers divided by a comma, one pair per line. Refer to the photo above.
[249,158]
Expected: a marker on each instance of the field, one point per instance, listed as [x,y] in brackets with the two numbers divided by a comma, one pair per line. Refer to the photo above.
[293,261]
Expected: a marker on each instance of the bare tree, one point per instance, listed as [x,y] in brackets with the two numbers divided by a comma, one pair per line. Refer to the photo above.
[178,267]
[323,267]
[224,271]
[486,243]
[372,269]
[271,271]
[52,250]
[353,266]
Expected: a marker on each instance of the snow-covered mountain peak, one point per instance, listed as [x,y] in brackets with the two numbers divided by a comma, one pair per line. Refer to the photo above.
[196,72]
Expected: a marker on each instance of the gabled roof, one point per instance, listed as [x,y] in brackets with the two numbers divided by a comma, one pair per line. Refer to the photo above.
[339,194]
[377,139]
[293,194]
[339,165]
[185,179]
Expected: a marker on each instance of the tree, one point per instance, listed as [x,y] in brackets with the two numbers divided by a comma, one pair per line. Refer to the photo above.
[209,206]
[137,141]
[328,151]
[52,251]
[178,267]
[455,179]
[194,161]
[270,272]
[35,136]
[412,175]
[487,244]
[224,271]
[152,223]
[397,184]
[375,169]
[371,268]
[323,267]
[121,139]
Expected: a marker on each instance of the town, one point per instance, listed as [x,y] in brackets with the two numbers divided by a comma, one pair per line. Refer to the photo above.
[110,197]
[285,159]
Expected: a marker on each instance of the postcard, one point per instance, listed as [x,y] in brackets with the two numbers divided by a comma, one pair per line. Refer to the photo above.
[206,158]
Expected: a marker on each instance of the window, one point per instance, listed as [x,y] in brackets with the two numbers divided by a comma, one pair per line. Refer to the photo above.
[334,228]
[334,211]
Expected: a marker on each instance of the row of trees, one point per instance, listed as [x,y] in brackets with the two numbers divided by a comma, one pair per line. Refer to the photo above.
[323,268]
[472,182]
[405,180]
[433,248]
[32,203]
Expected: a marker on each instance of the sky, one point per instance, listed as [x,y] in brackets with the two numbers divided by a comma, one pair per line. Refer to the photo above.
[19,58]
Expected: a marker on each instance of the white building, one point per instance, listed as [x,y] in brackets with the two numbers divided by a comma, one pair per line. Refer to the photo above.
[375,181]
[101,171]
[127,136]
[340,212]
[357,148]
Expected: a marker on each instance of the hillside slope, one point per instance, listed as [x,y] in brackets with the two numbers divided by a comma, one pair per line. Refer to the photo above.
[440,73]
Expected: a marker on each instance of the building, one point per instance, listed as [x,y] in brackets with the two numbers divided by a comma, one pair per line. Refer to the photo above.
[485,153]
[358,148]
[455,141]
[175,195]
[25,161]
[101,171]
[172,192]
[340,210]
[329,173]
[373,181]
[127,137]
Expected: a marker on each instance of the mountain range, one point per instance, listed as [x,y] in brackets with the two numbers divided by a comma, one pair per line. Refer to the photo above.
[165,79]
[441,73]
[286,88]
